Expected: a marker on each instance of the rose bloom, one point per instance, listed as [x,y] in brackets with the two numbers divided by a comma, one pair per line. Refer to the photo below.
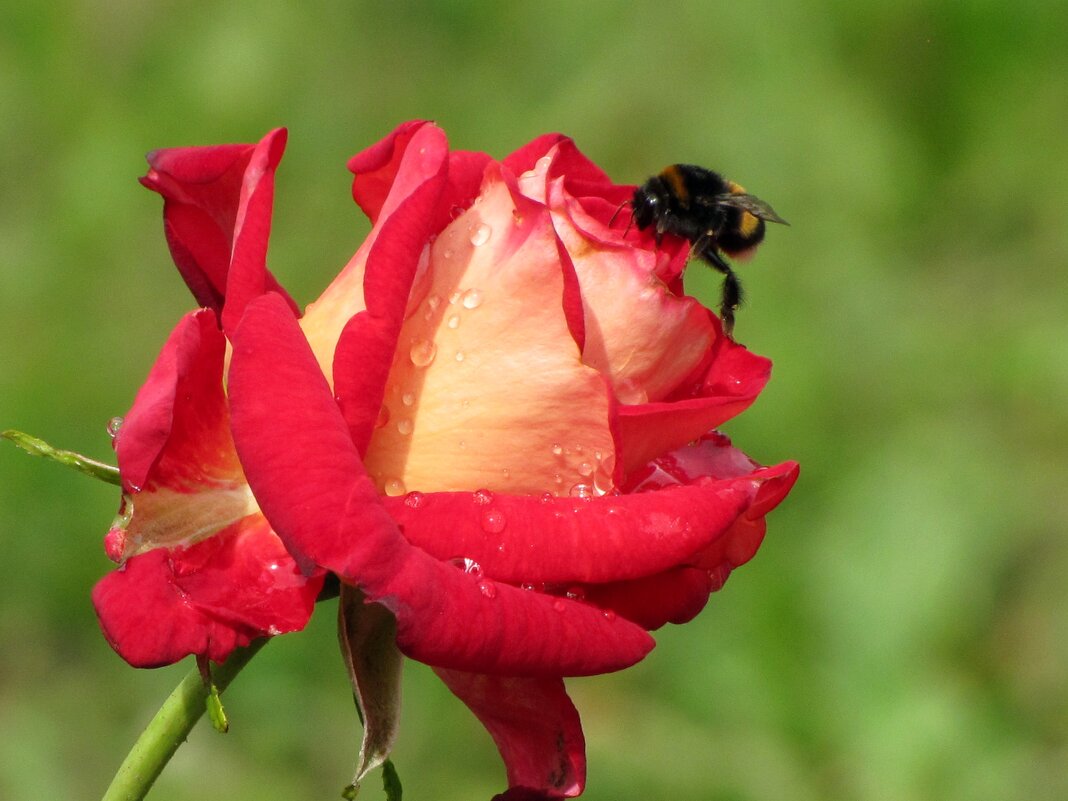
[497,423]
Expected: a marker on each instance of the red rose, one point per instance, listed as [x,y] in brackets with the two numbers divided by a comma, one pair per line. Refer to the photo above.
[497,422]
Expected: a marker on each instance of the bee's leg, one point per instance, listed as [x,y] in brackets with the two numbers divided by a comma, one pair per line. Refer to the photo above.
[732,287]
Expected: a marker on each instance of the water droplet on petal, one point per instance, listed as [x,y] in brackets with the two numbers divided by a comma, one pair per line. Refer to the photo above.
[413,500]
[547,497]
[454,298]
[483,497]
[114,424]
[394,487]
[558,450]
[487,589]
[581,491]
[472,299]
[585,469]
[480,235]
[559,605]
[408,398]
[423,352]
[453,321]
[459,355]
[404,427]
[493,521]
[469,566]
[576,593]
[446,254]
[433,301]
[609,615]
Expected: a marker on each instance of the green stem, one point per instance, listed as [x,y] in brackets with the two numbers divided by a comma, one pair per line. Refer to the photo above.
[171,725]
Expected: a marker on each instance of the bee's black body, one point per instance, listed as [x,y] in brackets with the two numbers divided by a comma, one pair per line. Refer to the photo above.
[714,214]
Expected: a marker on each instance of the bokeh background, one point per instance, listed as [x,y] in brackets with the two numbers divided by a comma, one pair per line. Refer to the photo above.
[901,635]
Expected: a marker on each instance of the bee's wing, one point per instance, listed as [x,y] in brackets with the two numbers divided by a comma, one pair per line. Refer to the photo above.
[752,204]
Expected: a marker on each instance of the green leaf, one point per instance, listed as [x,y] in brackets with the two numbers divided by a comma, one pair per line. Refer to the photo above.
[391,781]
[368,636]
[83,464]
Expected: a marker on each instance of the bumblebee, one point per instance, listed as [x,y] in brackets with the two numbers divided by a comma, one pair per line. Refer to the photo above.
[716,215]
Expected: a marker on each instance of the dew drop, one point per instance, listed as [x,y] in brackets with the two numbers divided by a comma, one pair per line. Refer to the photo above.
[454,298]
[576,593]
[609,615]
[558,450]
[585,469]
[480,235]
[469,566]
[408,398]
[465,403]
[483,497]
[487,589]
[526,585]
[559,605]
[459,355]
[413,500]
[547,497]
[404,427]
[453,321]
[446,254]
[394,487]
[472,299]
[114,424]
[423,352]
[493,521]
[433,301]
[581,491]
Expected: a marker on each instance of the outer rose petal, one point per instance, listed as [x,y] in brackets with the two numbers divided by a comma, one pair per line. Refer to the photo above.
[312,486]
[202,571]
[364,353]
[217,215]
[530,539]
[535,726]
[176,457]
[493,388]
[207,599]
[729,381]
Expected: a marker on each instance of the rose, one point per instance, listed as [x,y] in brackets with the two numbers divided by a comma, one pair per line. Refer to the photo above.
[514,456]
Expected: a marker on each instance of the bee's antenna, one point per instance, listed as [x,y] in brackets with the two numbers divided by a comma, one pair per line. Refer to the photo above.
[615,214]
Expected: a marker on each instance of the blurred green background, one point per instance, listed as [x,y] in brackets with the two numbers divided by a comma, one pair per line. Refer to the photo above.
[901,635]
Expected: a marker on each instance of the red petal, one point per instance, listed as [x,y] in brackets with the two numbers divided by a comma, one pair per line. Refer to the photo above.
[674,596]
[207,599]
[311,485]
[728,382]
[376,167]
[520,538]
[536,729]
[180,407]
[364,352]
[217,212]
